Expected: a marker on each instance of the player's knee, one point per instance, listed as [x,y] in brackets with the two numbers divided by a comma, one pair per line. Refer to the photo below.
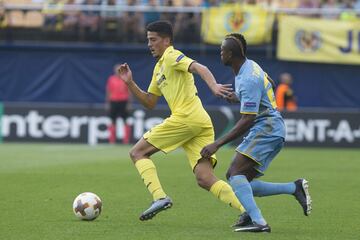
[231,172]
[203,184]
[134,154]
[203,181]
[242,171]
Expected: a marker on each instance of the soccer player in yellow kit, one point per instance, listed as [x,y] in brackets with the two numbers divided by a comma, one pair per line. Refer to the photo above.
[189,126]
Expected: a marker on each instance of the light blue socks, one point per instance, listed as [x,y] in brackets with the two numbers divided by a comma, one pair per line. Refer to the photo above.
[244,193]
[261,189]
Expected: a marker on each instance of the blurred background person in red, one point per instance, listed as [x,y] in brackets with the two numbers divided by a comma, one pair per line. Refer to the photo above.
[285,98]
[117,105]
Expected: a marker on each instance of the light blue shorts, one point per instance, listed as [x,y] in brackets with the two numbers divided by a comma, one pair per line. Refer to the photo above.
[262,148]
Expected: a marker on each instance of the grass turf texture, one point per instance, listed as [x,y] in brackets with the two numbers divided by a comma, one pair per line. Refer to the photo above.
[40,181]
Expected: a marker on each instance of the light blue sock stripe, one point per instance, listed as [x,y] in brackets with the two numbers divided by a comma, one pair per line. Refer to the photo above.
[261,189]
[243,192]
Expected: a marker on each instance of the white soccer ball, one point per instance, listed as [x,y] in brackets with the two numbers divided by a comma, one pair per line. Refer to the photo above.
[87,206]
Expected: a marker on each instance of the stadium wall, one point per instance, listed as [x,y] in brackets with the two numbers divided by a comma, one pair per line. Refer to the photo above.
[78,73]
[87,123]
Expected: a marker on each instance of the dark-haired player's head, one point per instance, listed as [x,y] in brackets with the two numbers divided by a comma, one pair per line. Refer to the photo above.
[160,37]
[233,47]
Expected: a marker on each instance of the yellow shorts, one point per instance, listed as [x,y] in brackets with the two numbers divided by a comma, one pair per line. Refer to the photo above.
[176,132]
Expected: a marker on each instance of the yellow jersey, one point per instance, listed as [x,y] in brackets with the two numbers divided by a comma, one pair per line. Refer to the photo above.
[172,79]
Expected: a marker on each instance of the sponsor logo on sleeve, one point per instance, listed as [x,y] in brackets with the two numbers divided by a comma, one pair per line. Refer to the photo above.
[250,104]
[180,57]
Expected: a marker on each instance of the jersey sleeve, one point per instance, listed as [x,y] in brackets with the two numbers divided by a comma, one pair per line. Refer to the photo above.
[250,93]
[178,61]
[153,88]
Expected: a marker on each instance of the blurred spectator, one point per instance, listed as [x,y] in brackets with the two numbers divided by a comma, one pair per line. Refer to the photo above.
[187,22]
[284,3]
[330,5]
[152,16]
[348,13]
[233,1]
[357,6]
[53,15]
[285,98]
[251,2]
[111,22]
[118,105]
[309,4]
[89,19]
[133,24]
[3,18]
[196,3]
[263,3]
[71,18]
[210,3]
[129,26]
[169,16]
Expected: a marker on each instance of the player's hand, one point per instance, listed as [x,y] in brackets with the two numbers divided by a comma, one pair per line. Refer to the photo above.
[125,73]
[209,150]
[232,98]
[222,90]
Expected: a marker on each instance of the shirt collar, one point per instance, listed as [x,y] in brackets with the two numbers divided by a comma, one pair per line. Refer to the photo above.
[242,69]
[167,50]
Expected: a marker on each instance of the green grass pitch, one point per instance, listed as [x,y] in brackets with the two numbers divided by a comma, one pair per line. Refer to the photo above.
[38,183]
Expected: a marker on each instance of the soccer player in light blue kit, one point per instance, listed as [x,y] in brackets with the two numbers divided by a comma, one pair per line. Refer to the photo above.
[266,136]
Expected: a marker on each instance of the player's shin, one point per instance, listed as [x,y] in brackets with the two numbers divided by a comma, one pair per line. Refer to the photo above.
[224,192]
[243,191]
[147,171]
[262,189]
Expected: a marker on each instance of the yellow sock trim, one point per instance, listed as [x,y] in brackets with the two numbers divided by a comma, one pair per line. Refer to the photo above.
[224,192]
[147,171]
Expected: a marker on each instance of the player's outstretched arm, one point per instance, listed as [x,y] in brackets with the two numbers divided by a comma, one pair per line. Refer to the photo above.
[148,100]
[244,124]
[219,90]
[232,98]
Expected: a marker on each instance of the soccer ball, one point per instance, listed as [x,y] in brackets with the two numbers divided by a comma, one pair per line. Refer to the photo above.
[87,206]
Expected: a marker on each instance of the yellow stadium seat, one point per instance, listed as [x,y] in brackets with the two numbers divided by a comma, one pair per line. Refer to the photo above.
[16,19]
[34,19]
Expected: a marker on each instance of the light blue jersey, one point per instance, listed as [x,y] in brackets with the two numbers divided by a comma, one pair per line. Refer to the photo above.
[266,138]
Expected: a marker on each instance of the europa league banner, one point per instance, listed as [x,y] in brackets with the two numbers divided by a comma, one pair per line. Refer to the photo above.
[319,40]
[254,22]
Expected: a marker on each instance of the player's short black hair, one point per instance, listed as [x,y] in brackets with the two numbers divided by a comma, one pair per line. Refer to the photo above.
[240,47]
[163,28]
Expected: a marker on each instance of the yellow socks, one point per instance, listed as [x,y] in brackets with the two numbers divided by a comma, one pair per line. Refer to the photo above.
[224,192]
[148,174]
